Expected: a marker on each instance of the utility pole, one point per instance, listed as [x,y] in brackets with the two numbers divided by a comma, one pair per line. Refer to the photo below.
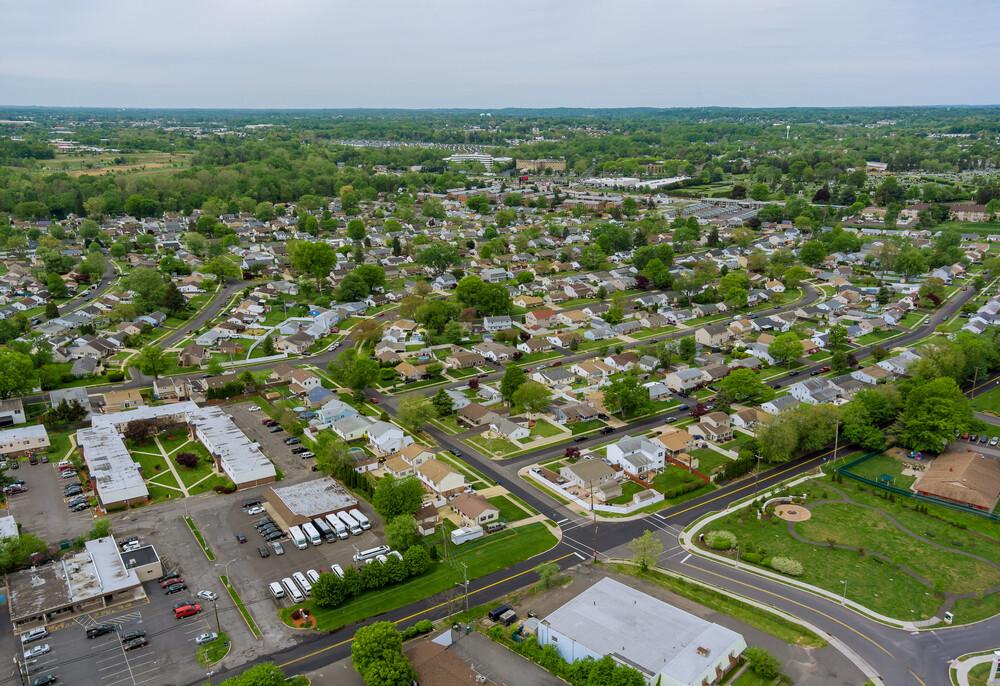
[593,514]
[465,573]
[218,625]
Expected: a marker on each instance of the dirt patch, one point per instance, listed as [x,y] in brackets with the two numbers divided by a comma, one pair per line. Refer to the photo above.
[792,513]
[303,621]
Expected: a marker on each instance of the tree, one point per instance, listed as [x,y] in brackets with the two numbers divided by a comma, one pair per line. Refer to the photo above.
[373,643]
[592,257]
[911,262]
[222,268]
[763,663]
[794,276]
[352,287]
[786,348]
[744,385]
[51,310]
[512,379]
[355,370]
[392,670]
[687,349]
[173,300]
[149,287]
[417,560]
[401,532]
[813,252]
[932,412]
[840,359]
[443,405]
[312,258]
[646,550]
[17,373]
[414,411]
[328,591]
[356,230]
[439,257]
[658,273]
[435,315]
[16,551]
[627,397]
[395,497]
[547,573]
[734,288]
[865,417]
[152,360]
[531,396]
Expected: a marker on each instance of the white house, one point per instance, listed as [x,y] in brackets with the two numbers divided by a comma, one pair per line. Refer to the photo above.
[637,455]
[385,438]
[510,430]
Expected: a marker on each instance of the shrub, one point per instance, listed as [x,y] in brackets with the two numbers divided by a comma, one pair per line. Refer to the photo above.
[720,540]
[188,460]
[755,558]
[762,663]
[786,565]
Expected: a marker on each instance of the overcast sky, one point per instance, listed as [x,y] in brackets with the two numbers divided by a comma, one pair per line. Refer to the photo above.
[509,53]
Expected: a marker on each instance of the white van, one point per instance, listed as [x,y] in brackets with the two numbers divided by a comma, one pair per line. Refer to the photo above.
[312,575]
[350,523]
[293,590]
[361,519]
[303,582]
[276,590]
[310,531]
[371,553]
[337,569]
[298,537]
[338,526]
[36,634]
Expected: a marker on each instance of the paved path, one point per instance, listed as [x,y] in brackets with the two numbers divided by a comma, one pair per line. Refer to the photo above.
[963,667]
[172,468]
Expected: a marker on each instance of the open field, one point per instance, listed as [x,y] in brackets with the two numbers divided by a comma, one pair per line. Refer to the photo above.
[91,165]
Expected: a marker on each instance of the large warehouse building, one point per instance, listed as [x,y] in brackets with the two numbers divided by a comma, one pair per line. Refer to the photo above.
[668,646]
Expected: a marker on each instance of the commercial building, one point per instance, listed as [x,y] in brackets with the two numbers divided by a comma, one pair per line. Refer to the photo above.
[965,477]
[24,439]
[540,165]
[89,581]
[234,453]
[668,646]
[298,503]
[145,562]
[116,478]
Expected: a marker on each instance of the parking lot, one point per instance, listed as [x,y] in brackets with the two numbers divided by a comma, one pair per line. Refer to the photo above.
[271,444]
[42,510]
[168,658]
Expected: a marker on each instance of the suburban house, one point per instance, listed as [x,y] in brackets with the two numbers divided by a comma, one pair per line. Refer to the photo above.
[779,404]
[713,335]
[474,510]
[440,477]
[508,429]
[637,455]
[119,401]
[385,438]
[685,380]
[493,324]
[872,375]
[475,414]
[595,476]
[676,442]
[540,318]
[573,412]
[303,381]
[463,359]
[714,426]
[814,391]
[11,412]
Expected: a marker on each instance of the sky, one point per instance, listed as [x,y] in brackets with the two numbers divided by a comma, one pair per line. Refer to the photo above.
[509,53]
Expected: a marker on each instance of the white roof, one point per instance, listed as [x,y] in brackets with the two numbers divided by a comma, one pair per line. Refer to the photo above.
[111,466]
[31,432]
[240,459]
[109,566]
[610,618]
[8,527]
[117,419]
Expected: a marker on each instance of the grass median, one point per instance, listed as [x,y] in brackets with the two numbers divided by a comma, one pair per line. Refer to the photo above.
[201,539]
[241,606]
[210,653]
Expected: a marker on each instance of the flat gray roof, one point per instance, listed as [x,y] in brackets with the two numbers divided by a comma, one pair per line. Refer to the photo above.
[111,466]
[315,497]
[610,618]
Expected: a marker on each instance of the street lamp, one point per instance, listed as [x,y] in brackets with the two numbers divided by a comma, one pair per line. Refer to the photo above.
[843,598]
[737,556]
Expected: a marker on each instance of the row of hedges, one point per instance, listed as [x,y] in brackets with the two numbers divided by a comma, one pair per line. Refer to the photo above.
[332,591]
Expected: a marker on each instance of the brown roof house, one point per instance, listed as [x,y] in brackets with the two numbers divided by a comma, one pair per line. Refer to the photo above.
[440,477]
[474,509]
[965,477]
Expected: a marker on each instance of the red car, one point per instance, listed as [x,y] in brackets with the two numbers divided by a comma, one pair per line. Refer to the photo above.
[824,369]
[699,410]
[187,611]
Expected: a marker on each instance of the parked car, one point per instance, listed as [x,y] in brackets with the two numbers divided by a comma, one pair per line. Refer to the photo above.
[186,610]
[293,441]
[132,635]
[256,510]
[240,538]
[14,489]
[307,454]
[276,429]
[207,595]
[171,582]
[69,474]
[37,650]
[175,588]
[44,680]
[168,576]
[79,507]
[247,504]
[34,635]
[206,637]
[99,630]
[299,449]
[135,643]
[994,441]
[277,548]
[263,551]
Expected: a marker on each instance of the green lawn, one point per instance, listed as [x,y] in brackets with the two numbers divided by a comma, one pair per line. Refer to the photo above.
[210,483]
[585,426]
[159,493]
[191,475]
[656,331]
[545,429]
[173,440]
[152,465]
[629,489]
[739,440]
[709,460]
[881,584]
[483,556]
[210,653]
[874,468]
[496,446]
[509,510]
[988,402]
[540,356]
[876,336]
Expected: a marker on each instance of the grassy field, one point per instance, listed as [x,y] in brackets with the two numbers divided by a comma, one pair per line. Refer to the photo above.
[544,429]
[210,653]
[95,164]
[988,402]
[874,565]
[880,465]
[496,446]
[585,426]
[483,556]
[709,460]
